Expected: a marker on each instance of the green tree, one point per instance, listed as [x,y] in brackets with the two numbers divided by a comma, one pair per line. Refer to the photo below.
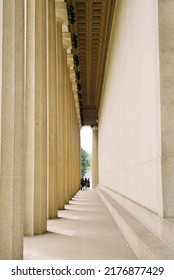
[85,162]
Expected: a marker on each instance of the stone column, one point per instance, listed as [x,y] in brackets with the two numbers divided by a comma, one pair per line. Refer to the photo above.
[73,147]
[62,108]
[166,55]
[76,165]
[60,120]
[78,177]
[95,157]
[66,132]
[36,119]
[70,137]
[12,128]
[76,125]
[77,154]
[52,112]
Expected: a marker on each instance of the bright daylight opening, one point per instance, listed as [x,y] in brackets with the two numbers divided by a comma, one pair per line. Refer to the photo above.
[86,153]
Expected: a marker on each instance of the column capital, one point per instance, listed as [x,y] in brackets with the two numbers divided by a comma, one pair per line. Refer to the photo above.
[94,127]
[70,61]
[67,41]
[61,14]
[74,86]
[72,75]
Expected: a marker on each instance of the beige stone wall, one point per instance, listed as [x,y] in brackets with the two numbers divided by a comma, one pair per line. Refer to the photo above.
[129,118]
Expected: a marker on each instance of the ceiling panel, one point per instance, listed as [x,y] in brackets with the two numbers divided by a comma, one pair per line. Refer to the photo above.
[90,24]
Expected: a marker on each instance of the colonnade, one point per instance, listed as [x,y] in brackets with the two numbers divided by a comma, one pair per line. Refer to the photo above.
[39,119]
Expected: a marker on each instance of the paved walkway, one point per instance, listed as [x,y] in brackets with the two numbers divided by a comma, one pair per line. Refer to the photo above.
[85,230]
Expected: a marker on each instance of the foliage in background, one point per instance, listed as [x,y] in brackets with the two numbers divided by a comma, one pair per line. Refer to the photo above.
[85,162]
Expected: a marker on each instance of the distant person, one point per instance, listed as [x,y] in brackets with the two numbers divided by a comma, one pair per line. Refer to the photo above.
[83,183]
[88,183]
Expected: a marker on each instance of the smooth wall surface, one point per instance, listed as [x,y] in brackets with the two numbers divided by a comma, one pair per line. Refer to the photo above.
[166,47]
[129,118]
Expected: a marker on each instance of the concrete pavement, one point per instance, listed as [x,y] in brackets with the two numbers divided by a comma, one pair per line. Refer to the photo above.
[85,230]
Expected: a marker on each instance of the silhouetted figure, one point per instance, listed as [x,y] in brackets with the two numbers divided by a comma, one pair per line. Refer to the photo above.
[83,183]
[88,183]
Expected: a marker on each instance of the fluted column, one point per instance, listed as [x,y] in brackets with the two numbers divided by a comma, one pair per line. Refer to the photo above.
[73,147]
[71,142]
[95,157]
[36,119]
[52,113]
[70,136]
[60,119]
[77,154]
[76,160]
[63,46]
[12,128]
[66,132]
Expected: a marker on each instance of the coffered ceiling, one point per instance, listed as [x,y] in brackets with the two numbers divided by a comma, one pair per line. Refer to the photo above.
[90,24]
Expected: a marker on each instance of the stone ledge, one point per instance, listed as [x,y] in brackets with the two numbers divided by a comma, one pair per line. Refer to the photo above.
[163,228]
[144,243]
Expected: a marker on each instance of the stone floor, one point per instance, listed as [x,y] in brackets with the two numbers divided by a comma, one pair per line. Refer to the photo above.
[85,230]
